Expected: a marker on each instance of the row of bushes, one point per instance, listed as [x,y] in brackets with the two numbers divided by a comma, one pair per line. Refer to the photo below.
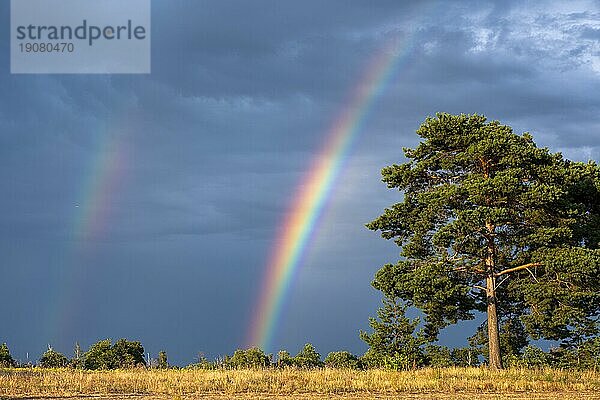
[130,354]
[101,355]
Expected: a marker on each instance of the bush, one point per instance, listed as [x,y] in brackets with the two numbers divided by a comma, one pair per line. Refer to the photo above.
[53,359]
[6,360]
[534,357]
[465,357]
[372,359]
[128,354]
[251,358]
[284,359]
[342,359]
[123,354]
[99,356]
[162,362]
[308,357]
[438,356]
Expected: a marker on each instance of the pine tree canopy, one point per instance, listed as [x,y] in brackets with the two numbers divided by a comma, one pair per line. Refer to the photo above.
[488,219]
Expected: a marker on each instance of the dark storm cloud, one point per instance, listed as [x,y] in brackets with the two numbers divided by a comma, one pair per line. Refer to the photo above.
[217,138]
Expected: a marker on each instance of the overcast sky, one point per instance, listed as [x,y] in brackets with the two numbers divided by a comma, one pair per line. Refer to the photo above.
[145,206]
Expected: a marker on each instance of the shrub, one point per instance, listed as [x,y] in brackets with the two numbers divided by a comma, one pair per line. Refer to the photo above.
[53,359]
[372,359]
[127,354]
[284,359]
[123,354]
[99,356]
[162,362]
[342,359]
[6,359]
[534,357]
[250,358]
[308,357]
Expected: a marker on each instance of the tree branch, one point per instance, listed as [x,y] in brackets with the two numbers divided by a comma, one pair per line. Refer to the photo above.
[519,268]
[470,270]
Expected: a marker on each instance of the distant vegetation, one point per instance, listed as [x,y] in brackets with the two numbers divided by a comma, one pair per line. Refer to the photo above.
[124,354]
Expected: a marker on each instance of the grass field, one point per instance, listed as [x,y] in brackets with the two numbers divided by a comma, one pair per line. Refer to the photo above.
[450,383]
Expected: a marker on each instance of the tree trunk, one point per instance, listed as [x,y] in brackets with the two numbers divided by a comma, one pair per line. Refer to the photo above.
[495,358]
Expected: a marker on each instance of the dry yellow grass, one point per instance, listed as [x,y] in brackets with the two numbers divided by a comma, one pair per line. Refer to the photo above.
[450,383]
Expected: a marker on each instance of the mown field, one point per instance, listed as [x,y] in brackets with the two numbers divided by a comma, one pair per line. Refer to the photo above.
[450,383]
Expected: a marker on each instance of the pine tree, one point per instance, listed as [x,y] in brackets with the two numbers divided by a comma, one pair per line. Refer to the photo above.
[394,341]
[163,362]
[490,222]
[6,359]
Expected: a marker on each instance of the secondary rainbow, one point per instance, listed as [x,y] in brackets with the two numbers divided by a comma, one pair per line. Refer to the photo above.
[91,221]
[311,196]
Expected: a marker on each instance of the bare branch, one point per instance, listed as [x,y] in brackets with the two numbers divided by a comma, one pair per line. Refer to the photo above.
[503,280]
[519,268]
[468,269]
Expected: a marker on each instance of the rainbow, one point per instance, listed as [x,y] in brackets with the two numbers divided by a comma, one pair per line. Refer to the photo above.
[311,196]
[90,223]
[104,178]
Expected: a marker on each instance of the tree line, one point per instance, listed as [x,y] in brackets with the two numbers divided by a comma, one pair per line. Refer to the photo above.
[124,354]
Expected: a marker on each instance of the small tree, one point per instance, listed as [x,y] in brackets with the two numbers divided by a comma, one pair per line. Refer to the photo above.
[250,358]
[53,359]
[6,360]
[394,342]
[342,359]
[127,354]
[284,359]
[99,356]
[308,357]
[162,362]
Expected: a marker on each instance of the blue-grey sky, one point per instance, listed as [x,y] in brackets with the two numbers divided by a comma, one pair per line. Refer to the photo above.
[195,163]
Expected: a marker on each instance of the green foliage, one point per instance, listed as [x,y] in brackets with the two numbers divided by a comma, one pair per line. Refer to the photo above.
[372,360]
[534,357]
[127,354]
[204,363]
[342,359]
[589,354]
[513,340]
[99,356]
[6,359]
[443,357]
[585,355]
[393,342]
[438,356]
[250,358]
[162,362]
[123,354]
[284,359]
[308,357]
[488,217]
[465,357]
[53,359]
